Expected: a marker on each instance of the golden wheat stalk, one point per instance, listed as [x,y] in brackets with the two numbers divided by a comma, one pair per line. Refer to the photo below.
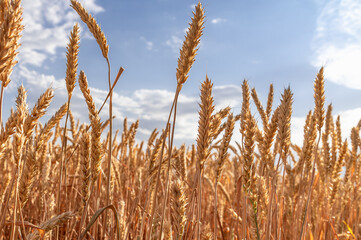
[53,121]
[319,95]
[203,138]
[10,30]
[224,147]
[245,106]
[189,48]
[72,59]
[38,111]
[50,224]
[269,101]
[284,123]
[96,146]
[308,145]
[18,143]
[7,132]
[86,167]
[205,114]
[248,155]
[178,207]
[93,26]
[260,108]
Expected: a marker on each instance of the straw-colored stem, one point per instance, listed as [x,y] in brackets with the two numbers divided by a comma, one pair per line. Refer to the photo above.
[1,105]
[199,214]
[63,152]
[159,170]
[309,194]
[169,159]
[215,209]
[110,143]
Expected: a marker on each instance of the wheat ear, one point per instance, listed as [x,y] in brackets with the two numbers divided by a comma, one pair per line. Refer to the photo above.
[245,106]
[10,30]
[189,48]
[178,207]
[7,132]
[224,147]
[203,138]
[205,114]
[38,111]
[19,139]
[86,167]
[50,224]
[221,159]
[260,108]
[72,59]
[71,69]
[11,27]
[185,61]
[96,146]
[53,121]
[269,101]
[319,95]
[93,26]
[284,123]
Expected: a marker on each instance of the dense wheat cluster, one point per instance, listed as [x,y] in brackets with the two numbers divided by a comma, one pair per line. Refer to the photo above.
[66,181]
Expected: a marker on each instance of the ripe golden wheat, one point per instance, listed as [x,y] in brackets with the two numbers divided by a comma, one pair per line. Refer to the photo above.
[53,185]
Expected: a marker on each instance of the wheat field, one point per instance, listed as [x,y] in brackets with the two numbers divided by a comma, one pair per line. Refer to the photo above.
[63,179]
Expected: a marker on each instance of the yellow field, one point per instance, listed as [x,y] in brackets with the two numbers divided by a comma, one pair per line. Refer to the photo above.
[65,181]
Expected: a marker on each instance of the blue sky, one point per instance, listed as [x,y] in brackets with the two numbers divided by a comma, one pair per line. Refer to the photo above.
[283,42]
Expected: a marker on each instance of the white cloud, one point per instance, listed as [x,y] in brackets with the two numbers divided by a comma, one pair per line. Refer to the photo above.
[192,6]
[337,41]
[39,80]
[91,6]
[148,44]
[297,124]
[217,20]
[47,27]
[175,43]
[349,119]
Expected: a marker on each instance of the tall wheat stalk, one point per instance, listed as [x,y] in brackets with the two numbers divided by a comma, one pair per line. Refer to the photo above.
[70,79]
[185,62]
[10,30]
[319,96]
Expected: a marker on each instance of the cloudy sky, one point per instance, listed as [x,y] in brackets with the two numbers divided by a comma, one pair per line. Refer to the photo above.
[283,42]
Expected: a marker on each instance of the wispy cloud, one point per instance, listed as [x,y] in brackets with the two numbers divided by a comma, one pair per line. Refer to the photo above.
[218,20]
[148,44]
[337,42]
[192,6]
[91,6]
[175,43]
